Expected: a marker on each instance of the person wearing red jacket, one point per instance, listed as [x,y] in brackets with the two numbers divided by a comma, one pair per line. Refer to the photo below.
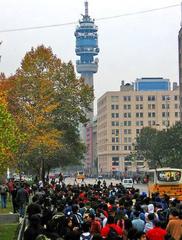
[156,233]
[110,224]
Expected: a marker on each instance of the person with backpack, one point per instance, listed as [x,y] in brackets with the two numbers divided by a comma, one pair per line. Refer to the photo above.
[111,231]
[77,217]
[86,235]
[3,193]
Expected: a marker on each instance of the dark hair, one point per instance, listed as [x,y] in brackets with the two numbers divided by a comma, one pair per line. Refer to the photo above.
[151,216]
[140,234]
[174,212]
[136,213]
[92,216]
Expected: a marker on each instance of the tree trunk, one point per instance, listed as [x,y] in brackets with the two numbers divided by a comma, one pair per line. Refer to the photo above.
[42,170]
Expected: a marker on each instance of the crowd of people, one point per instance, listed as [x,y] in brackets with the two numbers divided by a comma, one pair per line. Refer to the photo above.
[95,212]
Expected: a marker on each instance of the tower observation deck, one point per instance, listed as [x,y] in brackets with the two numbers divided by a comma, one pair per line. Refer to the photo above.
[87,47]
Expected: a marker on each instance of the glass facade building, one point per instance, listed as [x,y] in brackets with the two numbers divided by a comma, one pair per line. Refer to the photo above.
[152,84]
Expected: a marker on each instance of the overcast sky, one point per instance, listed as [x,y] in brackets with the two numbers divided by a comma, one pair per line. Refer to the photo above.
[131,47]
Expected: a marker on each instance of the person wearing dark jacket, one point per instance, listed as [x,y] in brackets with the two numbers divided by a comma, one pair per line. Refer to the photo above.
[34,229]
[22,199]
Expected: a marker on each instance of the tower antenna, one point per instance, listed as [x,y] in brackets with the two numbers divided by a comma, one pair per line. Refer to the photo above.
[86,8]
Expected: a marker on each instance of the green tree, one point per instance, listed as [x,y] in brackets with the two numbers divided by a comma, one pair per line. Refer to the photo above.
[151,144]
[10,138]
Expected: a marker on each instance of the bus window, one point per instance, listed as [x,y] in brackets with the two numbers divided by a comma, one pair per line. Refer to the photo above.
[169,176]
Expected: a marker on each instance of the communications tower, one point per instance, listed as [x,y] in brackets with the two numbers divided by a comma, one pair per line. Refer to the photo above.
[87,49]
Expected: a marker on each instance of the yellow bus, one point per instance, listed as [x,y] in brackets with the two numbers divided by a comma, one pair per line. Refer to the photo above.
[80,175]
[165,181]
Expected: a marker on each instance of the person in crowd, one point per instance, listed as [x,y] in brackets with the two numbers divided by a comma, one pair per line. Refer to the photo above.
[111,225]
[137,223]
[34,228]
[174,227]
[3,193]
[78,212]
[156,233]
[22,199]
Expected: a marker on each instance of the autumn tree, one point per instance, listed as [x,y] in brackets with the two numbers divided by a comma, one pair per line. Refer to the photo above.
[47,100]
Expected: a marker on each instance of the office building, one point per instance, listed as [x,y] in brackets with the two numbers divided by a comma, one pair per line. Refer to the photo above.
[120,117]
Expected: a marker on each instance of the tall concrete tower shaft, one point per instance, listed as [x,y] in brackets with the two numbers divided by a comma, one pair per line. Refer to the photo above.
[87,49]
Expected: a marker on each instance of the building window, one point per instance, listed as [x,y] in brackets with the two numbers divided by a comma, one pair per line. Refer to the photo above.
[114,98]
[139,98]
[127,123]
[176,98]
[115,132]
[127,140]
[127,131]
[127,106]
[151,114]
[114,107]
[127,98]
[127,115]
[138,131]
[140,164]
[115,148]
[176,106]
[165,114]
[139,114]
[165,106]
[139,123]
[151,106]
[151,98]
[176,114]
[139,106]
[115,123]
[165,97]
[128,164]
[115,161]
[115,139]
[115,115]
[151,123]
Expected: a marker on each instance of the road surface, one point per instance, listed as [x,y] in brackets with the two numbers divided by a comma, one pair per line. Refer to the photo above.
[141,187]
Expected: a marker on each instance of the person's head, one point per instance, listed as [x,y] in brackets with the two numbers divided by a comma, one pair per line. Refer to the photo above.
[150,208]
[136,214]
[91,216]
[173,212]
[75,208]
[151,217]
[69,222]
[141,236]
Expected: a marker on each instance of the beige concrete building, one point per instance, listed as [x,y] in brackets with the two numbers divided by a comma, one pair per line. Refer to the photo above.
[120,117]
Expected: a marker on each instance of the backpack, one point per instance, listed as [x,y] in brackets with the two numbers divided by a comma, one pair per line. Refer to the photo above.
[3,190]
[113,235]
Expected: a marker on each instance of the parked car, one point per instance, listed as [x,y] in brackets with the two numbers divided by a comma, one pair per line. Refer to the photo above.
[127,183]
